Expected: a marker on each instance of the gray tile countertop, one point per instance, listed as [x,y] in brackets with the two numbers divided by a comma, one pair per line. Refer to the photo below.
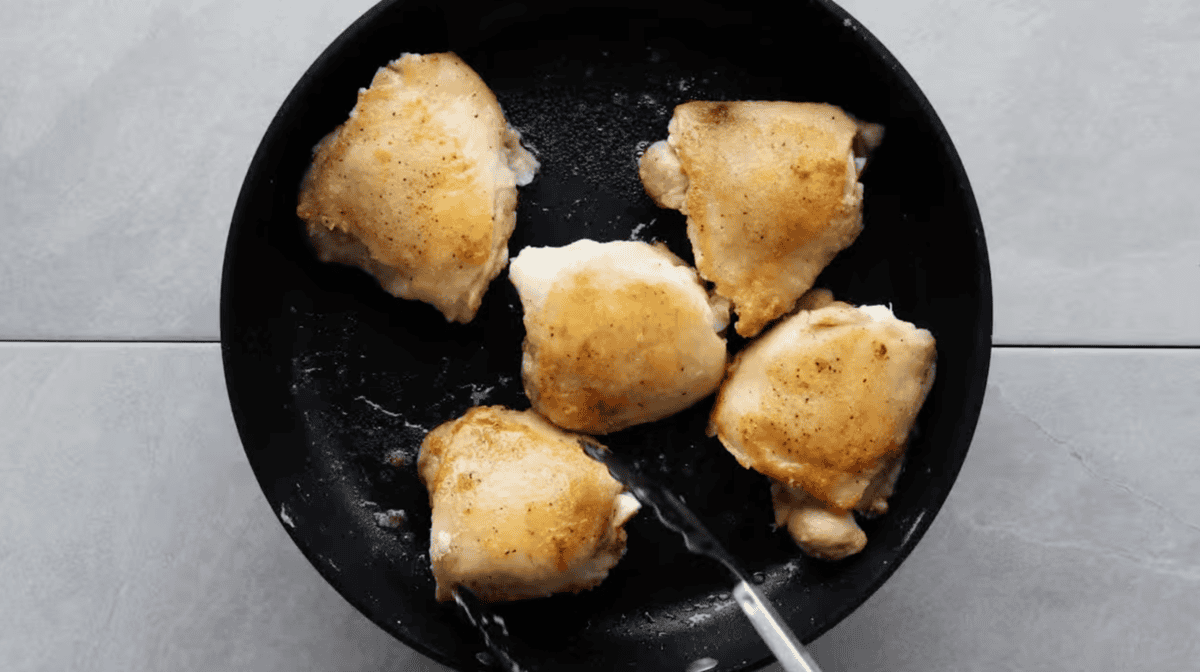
[134,536]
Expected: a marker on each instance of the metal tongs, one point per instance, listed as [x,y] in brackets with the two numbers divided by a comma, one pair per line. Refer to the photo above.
[672,512]
[491,627]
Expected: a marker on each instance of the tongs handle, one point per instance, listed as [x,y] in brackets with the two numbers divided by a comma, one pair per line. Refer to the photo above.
[675,515]
[491,627]
[773,630]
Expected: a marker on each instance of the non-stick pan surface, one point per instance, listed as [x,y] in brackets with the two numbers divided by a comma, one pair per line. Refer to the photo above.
[334,383]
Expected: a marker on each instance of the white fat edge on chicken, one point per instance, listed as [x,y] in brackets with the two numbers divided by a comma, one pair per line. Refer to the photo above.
[536,270]
[520,160]
[624,508]
[663,176]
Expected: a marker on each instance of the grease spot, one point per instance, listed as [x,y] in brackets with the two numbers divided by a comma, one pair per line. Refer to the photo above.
[698,619]
[636,234]
[479,393]
[377,406]
[392,518]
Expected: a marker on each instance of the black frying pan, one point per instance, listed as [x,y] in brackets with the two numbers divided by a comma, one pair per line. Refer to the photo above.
[334,383]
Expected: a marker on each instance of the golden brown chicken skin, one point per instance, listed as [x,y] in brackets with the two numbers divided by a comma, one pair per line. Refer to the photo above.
[519,510]
[823,404]
[418,187]
[771,194]
[617,334]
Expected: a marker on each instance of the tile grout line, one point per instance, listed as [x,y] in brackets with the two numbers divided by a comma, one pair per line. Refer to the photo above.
[1003,346]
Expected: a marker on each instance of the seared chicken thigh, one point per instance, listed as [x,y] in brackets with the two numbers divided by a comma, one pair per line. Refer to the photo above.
[418,187]
[771,194]
[617,334]
[519,510]
[823,404]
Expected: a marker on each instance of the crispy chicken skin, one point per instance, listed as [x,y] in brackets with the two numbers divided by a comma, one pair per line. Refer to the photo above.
[771,194]
[519,510]
[823,404]
[617,334]
[418,187]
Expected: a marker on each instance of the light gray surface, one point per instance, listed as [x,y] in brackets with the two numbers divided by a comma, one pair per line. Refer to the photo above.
[1071,540]
[1073,119]
[127,130]
[128,127]
[134,536]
